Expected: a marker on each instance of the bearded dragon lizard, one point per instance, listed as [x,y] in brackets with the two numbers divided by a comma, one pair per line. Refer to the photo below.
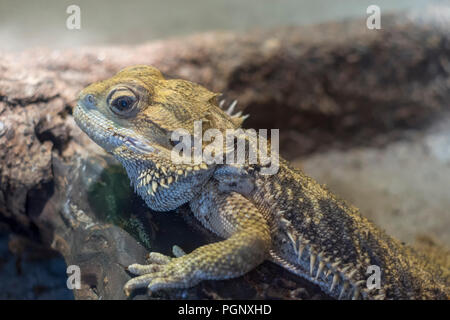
[286,218]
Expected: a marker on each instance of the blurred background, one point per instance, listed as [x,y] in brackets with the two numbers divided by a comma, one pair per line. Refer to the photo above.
[29,23]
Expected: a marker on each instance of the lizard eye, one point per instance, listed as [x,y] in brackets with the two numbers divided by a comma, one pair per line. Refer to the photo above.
[122,104]
[122,101]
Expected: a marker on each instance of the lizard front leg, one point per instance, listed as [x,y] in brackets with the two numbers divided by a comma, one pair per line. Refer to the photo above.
[229,215]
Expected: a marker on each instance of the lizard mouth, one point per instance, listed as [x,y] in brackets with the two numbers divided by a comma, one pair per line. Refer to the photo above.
[139,146]
[107,134]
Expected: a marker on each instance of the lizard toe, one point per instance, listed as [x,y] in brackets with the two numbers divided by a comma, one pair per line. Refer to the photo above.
[140,269]
[171,282]
[177,251]
[157,258]
[141,281]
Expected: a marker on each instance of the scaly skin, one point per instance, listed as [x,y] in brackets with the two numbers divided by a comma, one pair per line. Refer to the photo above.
[286,218]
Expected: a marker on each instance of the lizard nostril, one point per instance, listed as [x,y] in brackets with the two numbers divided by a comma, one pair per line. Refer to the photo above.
[89,100]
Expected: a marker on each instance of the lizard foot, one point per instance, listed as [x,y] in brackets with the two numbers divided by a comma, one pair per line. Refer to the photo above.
[163,272]
[239,253]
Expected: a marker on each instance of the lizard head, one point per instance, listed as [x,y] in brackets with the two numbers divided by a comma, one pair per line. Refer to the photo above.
[133,115]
